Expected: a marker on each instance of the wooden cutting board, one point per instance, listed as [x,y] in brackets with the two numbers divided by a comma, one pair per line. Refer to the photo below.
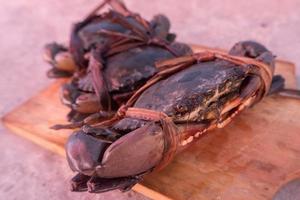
[248,159]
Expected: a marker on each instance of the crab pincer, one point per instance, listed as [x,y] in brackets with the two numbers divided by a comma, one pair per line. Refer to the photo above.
[188,97]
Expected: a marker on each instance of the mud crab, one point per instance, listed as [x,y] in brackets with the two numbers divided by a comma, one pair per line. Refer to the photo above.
[188,97]
[110,56]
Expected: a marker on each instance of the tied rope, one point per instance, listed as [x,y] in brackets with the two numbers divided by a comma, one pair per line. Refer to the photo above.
[167,68]
[123,42]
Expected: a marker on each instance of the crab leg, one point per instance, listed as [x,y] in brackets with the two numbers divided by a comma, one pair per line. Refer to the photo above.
[60,59]
[92,119]
[290,93]
[277,84]
[79,183]
[98,185]
[277,87]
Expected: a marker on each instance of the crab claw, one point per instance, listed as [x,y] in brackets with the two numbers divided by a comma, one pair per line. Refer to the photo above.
[87,103]
[161,26]
[118,166]
[83,152]
[134,153]
[68,94]
[61,60]
[255,50]
[137,151]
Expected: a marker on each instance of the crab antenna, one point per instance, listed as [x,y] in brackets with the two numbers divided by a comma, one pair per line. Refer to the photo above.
[116,5]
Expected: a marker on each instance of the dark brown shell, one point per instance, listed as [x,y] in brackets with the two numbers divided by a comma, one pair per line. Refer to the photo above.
[90,36]
[193,89]
[87,33]
[128,70]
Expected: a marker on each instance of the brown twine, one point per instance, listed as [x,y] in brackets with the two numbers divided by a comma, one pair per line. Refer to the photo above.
[169,67]
[118,14]
[127,41]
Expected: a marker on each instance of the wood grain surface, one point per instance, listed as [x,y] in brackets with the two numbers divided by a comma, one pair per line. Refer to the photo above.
[248,159]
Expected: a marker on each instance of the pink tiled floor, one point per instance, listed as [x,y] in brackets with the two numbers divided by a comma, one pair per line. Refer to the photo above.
[29,172]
